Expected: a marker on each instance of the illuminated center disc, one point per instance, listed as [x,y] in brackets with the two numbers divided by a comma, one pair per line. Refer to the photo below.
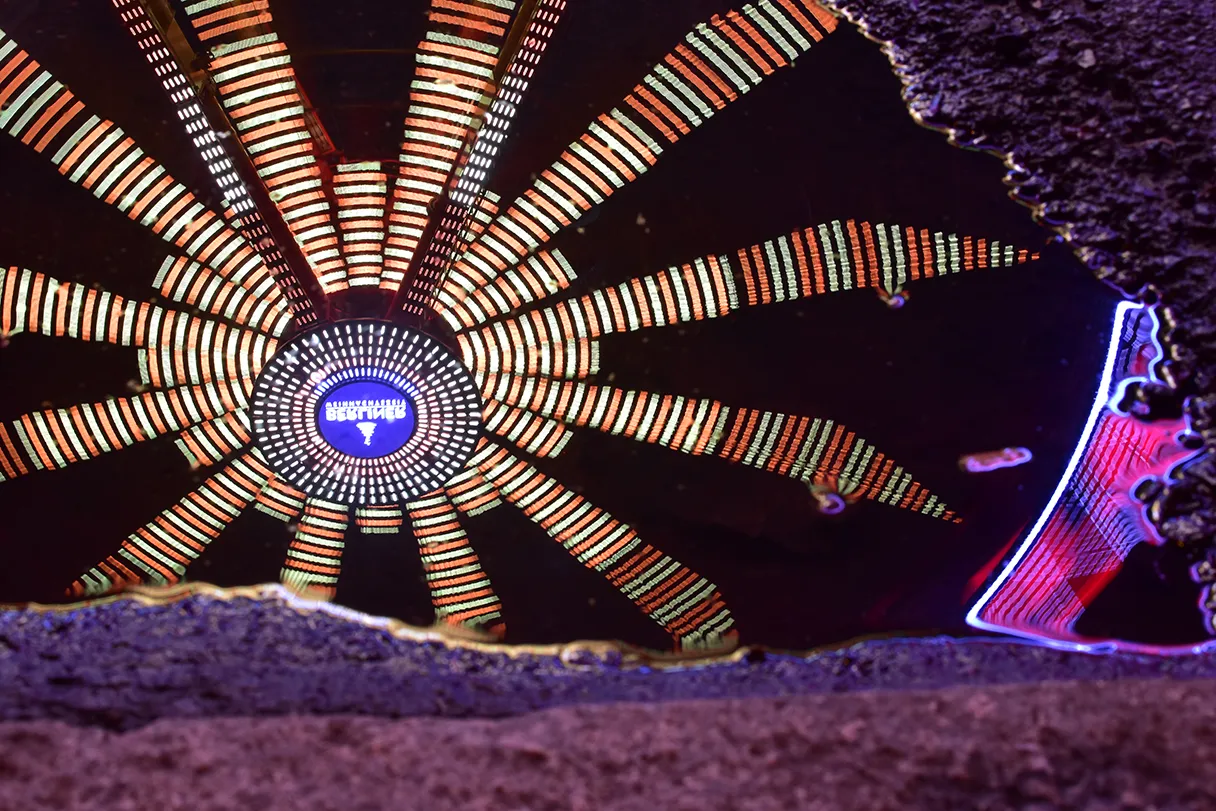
[365,413]
[367,419]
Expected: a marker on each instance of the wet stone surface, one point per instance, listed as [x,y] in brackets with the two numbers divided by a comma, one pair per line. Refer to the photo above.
[123,665]
[1110,107]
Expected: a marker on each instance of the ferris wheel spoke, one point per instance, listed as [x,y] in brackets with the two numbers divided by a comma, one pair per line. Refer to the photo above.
[213,441]
[526,348]
[717,63]
[160,552]
[361,192]
[537,435]
[472,68]
[175,348]
[541,275]
[55,438]
[828,258]
[272,119]
[832,460]
[280,500]
[97,155]
[379,519]
[686,605]
[461,591]
[314,558]
[469,491]
[194,285]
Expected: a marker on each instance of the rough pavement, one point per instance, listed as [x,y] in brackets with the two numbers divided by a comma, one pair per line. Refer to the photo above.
[1116,745]
[122,665]
[1108,108]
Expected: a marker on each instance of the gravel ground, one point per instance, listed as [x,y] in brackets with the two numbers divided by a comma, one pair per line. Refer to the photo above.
[1120,745]
[123,665]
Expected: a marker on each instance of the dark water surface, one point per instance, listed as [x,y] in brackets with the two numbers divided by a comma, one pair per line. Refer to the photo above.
[974,362]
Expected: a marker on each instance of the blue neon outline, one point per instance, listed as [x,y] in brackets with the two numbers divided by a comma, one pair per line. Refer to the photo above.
[1101,401]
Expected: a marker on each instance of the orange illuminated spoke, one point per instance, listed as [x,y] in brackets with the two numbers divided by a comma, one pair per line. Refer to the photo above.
[314,558]
[361,190]
[717,63]
[469,491]
[379,520]
[828,258]
[56,438]
[257,86]
[683,603]
[159,552]
[210,442]
[528,346]
[451,91]
[539,436]
[280,500]
[829,458]
[460,590]
[98,155]
[175,348]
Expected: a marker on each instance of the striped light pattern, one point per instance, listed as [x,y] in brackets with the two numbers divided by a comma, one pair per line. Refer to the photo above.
[279,500]
[160,551]
[460,590]
[529,365]
[686,605]
[827,258]
[213,152]
[293,384]
[452,88]
[379,520]
[314,558]
[228,277]
[458,209]
[361,190]
[716,64]
[1081,540]
[257,87]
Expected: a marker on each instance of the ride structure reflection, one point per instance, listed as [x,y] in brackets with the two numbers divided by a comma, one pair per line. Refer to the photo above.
[368,349]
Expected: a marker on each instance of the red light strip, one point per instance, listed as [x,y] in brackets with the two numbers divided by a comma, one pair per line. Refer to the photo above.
[454,75]
[314,558]
[210,442]
[361,190]
[820,452]
[97,155]
[469,491]
[161,550]
[280,500]
[460,590]
[827,258]
[257,88]
[683,603]
[214,154]
[174,347]
[379,520]
[719,62]
[446,242]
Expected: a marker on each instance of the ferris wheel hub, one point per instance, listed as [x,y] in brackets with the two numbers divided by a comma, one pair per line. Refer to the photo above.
[365,412]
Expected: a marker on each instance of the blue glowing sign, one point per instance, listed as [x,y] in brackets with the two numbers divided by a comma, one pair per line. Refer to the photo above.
[366,419]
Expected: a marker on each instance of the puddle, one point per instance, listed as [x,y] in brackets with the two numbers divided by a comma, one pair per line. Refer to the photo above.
[757,358]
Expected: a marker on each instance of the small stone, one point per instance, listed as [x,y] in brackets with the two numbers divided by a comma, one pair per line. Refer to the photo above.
[1087,58]
[1049,58]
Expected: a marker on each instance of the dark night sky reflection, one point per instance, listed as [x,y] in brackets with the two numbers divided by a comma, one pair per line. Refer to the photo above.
[973,363]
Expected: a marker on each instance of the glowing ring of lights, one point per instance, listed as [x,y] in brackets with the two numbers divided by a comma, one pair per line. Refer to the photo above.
[290,393]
